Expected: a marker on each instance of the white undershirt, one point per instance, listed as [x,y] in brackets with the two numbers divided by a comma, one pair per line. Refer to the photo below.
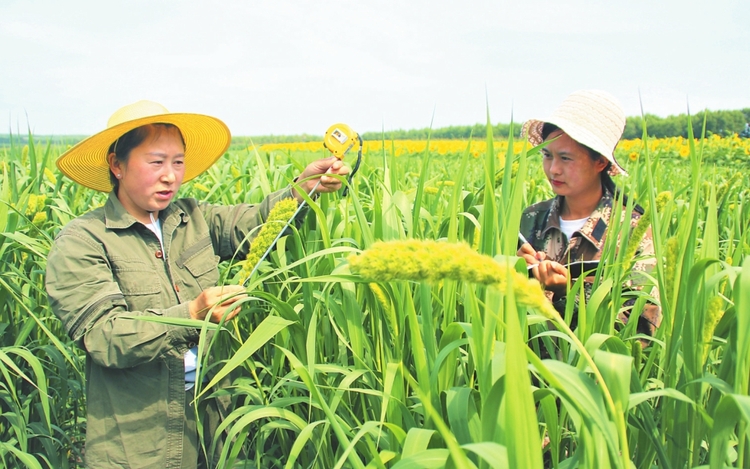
[191,356]
[191,361]
[155,226]
[571,226]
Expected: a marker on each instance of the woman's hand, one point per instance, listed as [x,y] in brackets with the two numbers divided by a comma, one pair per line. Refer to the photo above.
[531,256]
[553,276]
[323,168]
[218,301]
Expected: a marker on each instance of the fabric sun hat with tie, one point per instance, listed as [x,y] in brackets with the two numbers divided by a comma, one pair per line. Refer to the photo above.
[206,139]
[592,118]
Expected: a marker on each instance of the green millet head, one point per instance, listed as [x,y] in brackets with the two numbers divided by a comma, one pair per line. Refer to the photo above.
[277,221]
[662,199]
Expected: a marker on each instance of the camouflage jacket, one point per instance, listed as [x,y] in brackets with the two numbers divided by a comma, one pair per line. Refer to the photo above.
[540,224]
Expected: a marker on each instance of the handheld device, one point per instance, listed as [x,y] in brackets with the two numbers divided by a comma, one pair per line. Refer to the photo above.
[339,139]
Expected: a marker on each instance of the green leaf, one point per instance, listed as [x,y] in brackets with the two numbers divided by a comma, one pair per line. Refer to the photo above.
[492,453]
[615,369]
[417,440]
[427,459]
[732,409]
[521,425]
[265,331]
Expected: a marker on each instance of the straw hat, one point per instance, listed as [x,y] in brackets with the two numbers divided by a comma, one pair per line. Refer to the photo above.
[590,117]
[206,139]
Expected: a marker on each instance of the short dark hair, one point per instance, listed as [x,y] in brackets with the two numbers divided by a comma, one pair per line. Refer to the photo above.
[125,144]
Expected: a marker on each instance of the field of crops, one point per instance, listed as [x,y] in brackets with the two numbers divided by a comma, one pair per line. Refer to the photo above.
[392,328]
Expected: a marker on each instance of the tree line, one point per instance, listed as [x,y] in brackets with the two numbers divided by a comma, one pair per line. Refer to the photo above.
[724,123]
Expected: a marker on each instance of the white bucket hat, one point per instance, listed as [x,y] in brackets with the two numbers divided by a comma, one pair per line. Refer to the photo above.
[592,118]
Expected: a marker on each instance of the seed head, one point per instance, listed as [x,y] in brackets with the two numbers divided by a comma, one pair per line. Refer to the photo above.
[433,261]
[714,313]
[642,226]
[277,221]
[50,175]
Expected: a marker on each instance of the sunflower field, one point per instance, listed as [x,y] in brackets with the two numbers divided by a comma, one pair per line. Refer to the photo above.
[395,328]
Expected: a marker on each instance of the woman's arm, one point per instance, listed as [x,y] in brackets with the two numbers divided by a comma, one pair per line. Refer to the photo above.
[90,303]
[233,227]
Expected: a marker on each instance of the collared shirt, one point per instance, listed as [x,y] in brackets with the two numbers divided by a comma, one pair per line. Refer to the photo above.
[540,224]
[105,269]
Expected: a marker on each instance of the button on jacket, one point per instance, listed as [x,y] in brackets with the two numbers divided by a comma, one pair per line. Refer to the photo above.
[540,224]
[106,268]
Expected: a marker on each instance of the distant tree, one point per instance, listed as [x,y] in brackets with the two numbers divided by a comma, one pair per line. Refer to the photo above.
[723,123]
[633,128]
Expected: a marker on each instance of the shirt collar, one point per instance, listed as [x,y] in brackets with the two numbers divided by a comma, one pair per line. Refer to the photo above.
[595,227]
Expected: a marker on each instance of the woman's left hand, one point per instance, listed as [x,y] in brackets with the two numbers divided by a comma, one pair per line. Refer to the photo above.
[324,169]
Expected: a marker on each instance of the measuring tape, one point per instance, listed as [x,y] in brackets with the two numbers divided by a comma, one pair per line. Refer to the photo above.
[338,139]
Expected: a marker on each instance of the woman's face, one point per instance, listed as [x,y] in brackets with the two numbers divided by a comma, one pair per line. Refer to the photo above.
[152,174]
[569,168]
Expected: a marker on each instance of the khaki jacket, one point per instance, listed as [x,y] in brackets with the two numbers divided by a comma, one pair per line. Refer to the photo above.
[540,224]
[104,269]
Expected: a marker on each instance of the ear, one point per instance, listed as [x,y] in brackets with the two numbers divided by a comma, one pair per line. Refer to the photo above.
[114,165]
[601,164]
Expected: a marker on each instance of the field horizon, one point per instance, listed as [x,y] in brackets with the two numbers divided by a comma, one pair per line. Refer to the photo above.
[723,122]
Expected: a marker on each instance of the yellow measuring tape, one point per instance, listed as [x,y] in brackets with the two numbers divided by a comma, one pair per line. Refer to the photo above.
[340,138]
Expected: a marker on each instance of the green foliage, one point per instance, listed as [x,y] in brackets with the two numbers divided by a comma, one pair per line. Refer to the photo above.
[334,368]
[42,403]
[451,132]
[723,123]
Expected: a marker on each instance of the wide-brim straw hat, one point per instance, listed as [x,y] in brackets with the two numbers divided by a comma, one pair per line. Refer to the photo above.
[592,118]
[206,139]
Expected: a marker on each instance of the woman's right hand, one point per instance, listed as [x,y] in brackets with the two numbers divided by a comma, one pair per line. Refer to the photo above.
[218,301]
[552,275]
[531,256]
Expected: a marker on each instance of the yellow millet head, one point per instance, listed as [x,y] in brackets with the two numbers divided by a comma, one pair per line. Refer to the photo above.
[419,261]
[433,261]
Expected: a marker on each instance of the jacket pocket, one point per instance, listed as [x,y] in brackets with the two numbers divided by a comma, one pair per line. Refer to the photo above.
[135,277]
[203,266]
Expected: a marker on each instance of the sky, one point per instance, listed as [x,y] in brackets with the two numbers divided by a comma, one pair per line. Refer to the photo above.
[291,67]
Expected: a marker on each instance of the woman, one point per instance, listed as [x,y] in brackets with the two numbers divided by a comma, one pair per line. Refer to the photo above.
[147,254]
[580,136]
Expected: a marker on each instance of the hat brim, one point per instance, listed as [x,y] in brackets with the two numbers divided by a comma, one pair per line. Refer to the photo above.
[206,139]
[532,129]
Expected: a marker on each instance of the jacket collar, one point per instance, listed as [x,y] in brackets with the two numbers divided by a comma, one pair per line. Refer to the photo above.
[596,225]
[117,218]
